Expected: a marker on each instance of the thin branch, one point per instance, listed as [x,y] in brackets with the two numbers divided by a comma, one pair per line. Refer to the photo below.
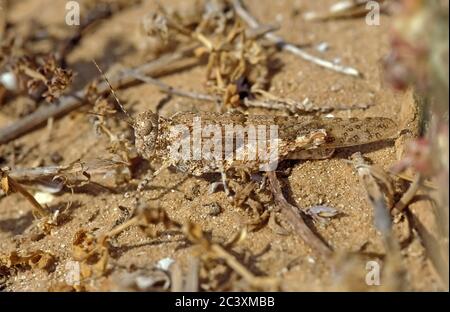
[169,89]
[8,184]
[379,192]
[295,219]
[410,193]
[270,101]
[343,9]
[98,166]
[280,42]
[255,281]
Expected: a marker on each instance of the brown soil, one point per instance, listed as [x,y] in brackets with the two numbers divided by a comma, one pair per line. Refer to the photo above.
[114,44]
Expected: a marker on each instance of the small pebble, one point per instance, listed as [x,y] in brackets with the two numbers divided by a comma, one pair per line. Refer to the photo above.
[8,80]
[43,197]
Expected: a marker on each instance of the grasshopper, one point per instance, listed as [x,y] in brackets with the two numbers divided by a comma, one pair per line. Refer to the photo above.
[297,137]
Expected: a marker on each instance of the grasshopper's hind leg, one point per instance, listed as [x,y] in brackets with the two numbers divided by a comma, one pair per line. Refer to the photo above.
[319,153]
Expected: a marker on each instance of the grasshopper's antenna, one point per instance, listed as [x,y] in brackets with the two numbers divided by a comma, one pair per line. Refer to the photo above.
[122,108]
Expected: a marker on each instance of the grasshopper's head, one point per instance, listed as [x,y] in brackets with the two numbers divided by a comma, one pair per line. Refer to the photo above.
[146,133]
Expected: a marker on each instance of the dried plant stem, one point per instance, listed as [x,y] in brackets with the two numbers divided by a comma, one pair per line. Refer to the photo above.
[379,191]
[171,90]
[10,185]
[340,10]
[192,277]
[268,102]
[295,219]
[69,103]
[176,278]
[410,193]
[122,227]
[50,172]
[254,281]
[279,41]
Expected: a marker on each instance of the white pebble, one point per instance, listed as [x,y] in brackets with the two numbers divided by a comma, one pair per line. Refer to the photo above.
[9,81]
[43,197]
[311,260]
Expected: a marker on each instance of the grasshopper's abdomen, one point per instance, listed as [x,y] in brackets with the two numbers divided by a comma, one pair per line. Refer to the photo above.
[353,131]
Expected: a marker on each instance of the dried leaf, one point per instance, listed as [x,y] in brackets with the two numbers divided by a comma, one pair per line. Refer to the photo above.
[92,253]
[37,259]
[8,184]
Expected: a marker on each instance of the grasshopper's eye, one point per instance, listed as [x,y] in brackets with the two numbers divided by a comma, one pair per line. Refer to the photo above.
[145,123]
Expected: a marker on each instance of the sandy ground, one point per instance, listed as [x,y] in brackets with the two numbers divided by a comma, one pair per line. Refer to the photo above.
[115,44]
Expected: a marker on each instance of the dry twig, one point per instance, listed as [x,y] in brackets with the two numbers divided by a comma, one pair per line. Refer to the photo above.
[8,184]
[341,10]
[171,90]
[295,219]
[379,192]
[409,194]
